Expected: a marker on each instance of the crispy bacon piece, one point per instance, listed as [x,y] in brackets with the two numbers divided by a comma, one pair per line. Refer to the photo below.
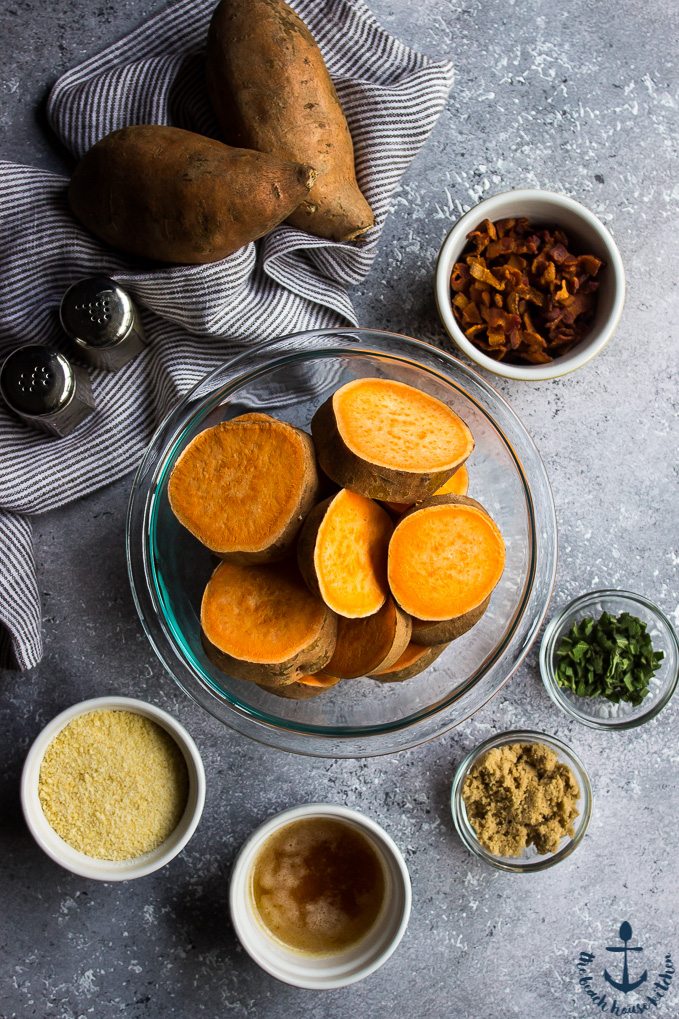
[484,275]
[460,277]
[520,293]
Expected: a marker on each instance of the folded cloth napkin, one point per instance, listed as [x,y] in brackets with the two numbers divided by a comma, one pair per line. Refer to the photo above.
[195,317]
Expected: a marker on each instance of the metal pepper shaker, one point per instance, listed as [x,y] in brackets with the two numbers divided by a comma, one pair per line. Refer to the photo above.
[45,390]
[103,322]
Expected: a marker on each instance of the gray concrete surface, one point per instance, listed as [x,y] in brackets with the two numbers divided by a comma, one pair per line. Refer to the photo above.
[570,95]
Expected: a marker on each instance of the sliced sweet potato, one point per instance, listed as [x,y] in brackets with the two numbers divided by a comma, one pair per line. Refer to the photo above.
[342,553]
[445,558]
[376,642]
[304,688]
[261,622]
[414,660]
[445,630]
[457,484]
[388,440]
[244,487]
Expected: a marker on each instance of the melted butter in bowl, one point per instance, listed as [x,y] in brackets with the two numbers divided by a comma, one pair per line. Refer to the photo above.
[318,885]
[320,896]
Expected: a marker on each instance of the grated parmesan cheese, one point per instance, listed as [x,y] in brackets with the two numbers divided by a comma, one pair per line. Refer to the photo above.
[113,784]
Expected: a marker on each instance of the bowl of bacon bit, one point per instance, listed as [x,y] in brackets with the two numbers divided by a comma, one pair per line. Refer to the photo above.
[530,285]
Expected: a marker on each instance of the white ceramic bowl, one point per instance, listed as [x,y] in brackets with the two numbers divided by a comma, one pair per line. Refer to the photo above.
[322,972]
[112,870]
[591,235]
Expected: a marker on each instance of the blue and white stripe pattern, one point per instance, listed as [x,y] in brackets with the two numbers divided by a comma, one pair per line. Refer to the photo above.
[195,316]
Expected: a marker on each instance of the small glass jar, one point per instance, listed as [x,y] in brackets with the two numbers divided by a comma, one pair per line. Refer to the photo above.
[598,712]
[530,859]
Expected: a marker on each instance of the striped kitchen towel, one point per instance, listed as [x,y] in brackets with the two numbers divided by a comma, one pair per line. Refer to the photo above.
[195,317]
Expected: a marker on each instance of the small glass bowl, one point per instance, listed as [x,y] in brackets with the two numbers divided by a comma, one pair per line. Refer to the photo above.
[598,712]
[530,859]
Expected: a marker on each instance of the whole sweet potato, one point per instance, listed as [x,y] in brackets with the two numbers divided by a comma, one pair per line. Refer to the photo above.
[271,91]
[174,196]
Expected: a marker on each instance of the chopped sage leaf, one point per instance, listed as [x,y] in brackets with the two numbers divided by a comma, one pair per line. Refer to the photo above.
[609,657]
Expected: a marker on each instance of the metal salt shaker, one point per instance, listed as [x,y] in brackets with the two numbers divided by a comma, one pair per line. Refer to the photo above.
[45,390]
[103,322]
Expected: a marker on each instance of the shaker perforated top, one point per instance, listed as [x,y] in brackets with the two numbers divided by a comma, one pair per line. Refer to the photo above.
[97,312]
[35,380]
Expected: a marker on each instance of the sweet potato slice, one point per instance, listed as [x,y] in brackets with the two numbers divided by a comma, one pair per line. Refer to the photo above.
[365,645]
[388,440]
[261,622]
[244,487]
[414,660]
[445,630]
[457,484]
[445,558]
[304,688]
[271,91]
[342,553]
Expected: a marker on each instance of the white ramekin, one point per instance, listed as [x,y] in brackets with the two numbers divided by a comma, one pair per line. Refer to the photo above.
[322,972]
[583,226]
[112,870]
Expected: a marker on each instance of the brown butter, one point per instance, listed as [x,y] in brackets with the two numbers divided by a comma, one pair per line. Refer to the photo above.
[318,885]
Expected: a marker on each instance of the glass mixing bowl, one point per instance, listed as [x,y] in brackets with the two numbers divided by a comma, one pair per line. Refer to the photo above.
[289,378]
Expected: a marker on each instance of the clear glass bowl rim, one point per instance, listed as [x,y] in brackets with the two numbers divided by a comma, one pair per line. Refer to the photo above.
[464,828]
[371,742]
[555,628]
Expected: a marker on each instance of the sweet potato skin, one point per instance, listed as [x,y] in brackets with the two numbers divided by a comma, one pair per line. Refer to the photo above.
[457,484]
[306,544]
[174,196]
[350,471]
[395,675]
[271,91]
[402,638]
[278,546]
[451,500]
[445,630]
[311,659]
[366,645]
[300,690]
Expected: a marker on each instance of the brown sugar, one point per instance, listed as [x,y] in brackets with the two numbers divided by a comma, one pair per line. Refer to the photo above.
[519,795]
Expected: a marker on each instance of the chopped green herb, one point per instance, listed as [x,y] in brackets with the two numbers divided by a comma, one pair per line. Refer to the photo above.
[610,657]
